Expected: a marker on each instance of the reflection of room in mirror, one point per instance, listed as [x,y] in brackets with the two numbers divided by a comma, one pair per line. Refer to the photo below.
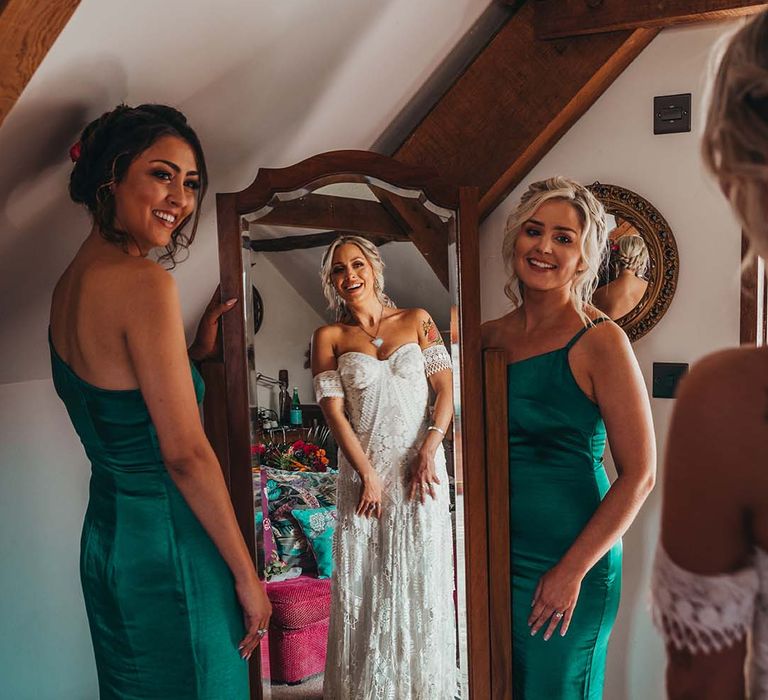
[287,239]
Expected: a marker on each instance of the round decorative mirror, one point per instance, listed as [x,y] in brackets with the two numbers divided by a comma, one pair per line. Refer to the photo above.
[640,267]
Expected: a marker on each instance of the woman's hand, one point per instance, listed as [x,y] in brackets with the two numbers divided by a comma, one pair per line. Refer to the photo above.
[555,600]
[204,345]
[256,613]
[423,475]
[370,495]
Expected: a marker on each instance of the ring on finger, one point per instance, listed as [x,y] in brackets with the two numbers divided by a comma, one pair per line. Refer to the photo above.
[261,632]
[557,614]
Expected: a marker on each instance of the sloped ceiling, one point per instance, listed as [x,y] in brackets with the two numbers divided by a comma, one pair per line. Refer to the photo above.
[265,83]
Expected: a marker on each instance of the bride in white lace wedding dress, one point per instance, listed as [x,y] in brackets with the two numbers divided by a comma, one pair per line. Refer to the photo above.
[392,632]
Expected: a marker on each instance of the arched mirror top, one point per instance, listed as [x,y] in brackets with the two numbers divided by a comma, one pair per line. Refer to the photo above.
[640,268]
[342,167]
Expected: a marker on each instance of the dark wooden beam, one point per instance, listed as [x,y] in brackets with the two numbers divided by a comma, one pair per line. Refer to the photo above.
[554,19]
[331,212]
[28,29]
[514,102]
[314,240]
[427,231]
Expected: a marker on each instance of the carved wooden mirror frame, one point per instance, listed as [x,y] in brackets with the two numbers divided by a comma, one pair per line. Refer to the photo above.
[227,409]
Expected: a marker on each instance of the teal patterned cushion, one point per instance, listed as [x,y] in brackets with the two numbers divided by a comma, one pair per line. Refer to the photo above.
[290,490]
[318,525]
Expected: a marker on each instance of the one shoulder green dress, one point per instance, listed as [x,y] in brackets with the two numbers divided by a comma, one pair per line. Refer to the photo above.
[557,480]
[163,614]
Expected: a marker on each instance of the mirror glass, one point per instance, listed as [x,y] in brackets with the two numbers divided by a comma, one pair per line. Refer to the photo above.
[638,274]
[294,455]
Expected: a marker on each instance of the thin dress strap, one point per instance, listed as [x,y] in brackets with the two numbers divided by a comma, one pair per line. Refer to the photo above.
[576,337]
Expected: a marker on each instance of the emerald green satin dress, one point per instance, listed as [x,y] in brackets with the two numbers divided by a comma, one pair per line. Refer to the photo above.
[557,480]
[163,614]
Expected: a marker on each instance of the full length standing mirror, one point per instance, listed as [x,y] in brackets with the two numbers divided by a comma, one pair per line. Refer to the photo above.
[281,455]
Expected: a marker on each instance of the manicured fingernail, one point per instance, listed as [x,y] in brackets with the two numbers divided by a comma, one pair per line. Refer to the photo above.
[229,302]
[533,633]
[546,637]
[562,633]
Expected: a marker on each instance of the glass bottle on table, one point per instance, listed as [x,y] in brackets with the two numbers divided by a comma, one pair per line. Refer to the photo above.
[296,418]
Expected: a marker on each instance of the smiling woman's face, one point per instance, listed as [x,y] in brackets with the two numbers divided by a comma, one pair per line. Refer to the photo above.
[158,193]
[351,274]
[548,248]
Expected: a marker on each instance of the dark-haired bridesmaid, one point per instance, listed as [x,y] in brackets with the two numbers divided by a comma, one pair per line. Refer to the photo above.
[173,600]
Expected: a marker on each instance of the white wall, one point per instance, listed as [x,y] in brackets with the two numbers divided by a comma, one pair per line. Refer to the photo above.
[284,336]
[45,648]
[614,143]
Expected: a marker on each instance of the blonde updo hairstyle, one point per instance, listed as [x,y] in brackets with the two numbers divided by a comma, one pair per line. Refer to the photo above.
[371,254]
[632,254]
[735,141]
[592,241]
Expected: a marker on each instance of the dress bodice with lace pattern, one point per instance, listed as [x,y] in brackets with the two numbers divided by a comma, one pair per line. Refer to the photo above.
[392,628]
[704,614]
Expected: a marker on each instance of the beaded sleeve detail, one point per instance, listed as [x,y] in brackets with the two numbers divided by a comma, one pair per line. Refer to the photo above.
[701,613]
[328,385]
[436,359]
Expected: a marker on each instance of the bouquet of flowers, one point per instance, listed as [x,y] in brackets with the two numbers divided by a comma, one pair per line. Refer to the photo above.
[297,456]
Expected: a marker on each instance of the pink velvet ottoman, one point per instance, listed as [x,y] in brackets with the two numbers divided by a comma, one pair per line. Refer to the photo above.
[298,630]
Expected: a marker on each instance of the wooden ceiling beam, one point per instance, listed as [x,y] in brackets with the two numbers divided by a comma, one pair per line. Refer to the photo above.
[330,212]
[313,240]
[428,232]
[28,29]
[554,19]
[514,102]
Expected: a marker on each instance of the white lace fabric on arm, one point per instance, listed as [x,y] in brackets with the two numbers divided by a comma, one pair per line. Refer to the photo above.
[436,359]
[701,613]
[328,385]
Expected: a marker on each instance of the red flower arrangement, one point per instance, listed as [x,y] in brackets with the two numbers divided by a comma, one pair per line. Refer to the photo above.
[299,456]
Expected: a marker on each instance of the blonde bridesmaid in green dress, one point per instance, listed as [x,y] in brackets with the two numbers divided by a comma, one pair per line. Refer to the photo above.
[573,379]
[174,604]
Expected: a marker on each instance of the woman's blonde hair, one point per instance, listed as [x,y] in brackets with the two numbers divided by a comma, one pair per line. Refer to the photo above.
[735,141]
[371,254]
[632,254]
[592,241]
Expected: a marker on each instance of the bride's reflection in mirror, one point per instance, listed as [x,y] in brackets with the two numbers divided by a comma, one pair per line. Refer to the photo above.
[628,263]
[392,627]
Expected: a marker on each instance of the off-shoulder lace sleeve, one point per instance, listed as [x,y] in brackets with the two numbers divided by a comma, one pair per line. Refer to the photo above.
[328,385]
[701,613]
[436,359]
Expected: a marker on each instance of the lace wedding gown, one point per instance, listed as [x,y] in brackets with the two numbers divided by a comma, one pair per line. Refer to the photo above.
[702,614]
[392,632]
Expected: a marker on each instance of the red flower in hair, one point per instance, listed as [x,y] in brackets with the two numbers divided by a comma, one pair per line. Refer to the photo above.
[74,152]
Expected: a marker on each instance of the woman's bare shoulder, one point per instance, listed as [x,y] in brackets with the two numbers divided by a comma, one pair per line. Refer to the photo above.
[495,333]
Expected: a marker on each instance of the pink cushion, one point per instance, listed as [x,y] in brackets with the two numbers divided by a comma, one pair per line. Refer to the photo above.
[299,602]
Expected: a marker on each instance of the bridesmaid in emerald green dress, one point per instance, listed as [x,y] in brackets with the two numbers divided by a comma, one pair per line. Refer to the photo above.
[173,601]
[572,379]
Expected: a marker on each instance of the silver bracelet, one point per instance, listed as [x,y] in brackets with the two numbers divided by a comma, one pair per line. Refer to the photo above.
[439,430]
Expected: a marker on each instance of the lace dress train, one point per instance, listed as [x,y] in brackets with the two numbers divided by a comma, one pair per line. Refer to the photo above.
[392,633]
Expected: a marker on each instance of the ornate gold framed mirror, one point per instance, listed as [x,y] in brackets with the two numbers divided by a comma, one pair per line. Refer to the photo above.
[640,268]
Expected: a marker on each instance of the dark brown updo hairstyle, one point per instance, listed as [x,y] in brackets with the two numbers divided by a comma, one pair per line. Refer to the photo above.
[109,144]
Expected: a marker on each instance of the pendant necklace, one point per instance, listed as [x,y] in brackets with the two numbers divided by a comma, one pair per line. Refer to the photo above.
[376,340]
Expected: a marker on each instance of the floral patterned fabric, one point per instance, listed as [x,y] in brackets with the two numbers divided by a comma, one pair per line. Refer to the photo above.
[318,525]
[287,491]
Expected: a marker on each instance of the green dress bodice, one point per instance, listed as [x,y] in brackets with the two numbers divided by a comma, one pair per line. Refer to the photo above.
[557,480]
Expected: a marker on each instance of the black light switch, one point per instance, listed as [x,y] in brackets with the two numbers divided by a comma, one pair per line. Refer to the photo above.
[666,376]
[672,114]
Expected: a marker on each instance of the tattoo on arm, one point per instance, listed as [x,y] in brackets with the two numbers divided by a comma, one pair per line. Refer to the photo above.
[431,334]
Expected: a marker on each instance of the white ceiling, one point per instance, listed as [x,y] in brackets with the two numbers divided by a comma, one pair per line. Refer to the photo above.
[264,82]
